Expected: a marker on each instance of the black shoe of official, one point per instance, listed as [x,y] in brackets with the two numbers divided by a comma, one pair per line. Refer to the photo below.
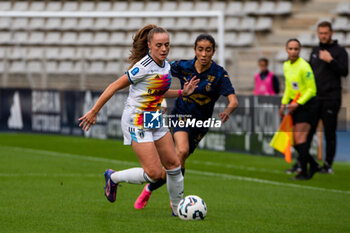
[313,170]
[326,169]
[295,169]
[301,176]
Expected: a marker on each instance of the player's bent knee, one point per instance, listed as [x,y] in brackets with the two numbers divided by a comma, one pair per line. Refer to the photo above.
[153,175]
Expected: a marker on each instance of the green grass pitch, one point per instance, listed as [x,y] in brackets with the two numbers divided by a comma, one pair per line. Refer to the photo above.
[55,184]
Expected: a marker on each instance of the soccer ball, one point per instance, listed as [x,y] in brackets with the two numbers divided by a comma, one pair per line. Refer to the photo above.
[192,208]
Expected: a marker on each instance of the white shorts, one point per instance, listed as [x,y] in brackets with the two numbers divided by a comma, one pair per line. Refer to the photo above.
[137,134]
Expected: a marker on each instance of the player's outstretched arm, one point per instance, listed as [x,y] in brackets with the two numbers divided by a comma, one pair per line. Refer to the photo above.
[232,105]
[90,117]
[188,89]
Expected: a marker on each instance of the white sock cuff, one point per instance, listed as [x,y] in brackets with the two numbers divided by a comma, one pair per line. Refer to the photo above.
[175,171]
[147,178]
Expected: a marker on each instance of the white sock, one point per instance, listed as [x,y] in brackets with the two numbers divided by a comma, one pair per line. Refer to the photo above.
[133,176]
[175,183]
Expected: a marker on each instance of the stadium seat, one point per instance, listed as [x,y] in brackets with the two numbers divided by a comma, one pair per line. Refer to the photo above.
[70,6]
[103,6]
[54,6]
[85,38]
[201,6]
[182,23]
[250,8]
[117,38]
[120,6]
[20,6]
[50,67]
[67,53]
[245,39]
[218,6]
[199,24]
[69,24]
[264,24]
[37,6]
[118,24]
[3,52]
[69,38]
[99,53]
[168,23]
[113,68]
[267,8]
[2,66]
[85,24]
[96,67]
[343,8]
[5,37]
[114,53]
[341,24]
[247,24]
[185,6]
[5,5]
[83,53]
[177,53]
[36,37]
[20,37]
[102,24]
[34,67]
[181,38]
[134,24]
[230,39]
[152,6]
[281,55]
[136,6]
[340,37]
[18,53]
[169,6]
[129,38]
[152,20]
[101,38]
[36,23]
[53,24]
[87,6]
[17,67]
[65,67]
[52,53]
[307,39]
[5,23]
[213,23]
[283,8]
[20,23]
[234,8]
[52,38]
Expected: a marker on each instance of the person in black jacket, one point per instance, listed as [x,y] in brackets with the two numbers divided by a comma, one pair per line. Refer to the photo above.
[329,62]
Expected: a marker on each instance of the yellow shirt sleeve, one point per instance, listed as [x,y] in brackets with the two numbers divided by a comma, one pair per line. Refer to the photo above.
[310,91]
[286,93]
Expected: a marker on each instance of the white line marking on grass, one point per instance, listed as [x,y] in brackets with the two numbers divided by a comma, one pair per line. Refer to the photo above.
[212,174]
[49,175]
[240,167]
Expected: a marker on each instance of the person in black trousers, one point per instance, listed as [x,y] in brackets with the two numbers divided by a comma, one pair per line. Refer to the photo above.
[329,62]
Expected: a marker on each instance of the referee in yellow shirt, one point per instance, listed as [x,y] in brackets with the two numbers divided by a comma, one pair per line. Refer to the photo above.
[299,78]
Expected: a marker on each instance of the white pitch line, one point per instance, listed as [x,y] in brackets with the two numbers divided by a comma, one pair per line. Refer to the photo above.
[240,167]
[212,174]
[49,175]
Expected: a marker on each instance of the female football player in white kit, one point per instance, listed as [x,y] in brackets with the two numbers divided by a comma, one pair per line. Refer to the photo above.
[149,81]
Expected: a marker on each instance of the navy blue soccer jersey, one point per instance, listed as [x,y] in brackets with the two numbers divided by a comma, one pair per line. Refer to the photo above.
[213,83]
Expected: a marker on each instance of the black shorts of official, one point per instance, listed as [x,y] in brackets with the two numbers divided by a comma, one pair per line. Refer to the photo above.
[195,135]
[306,113]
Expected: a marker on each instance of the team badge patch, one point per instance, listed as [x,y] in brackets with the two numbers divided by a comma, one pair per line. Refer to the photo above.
[135,71]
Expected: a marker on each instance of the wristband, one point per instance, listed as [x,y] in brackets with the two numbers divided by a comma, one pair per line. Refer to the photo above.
[180,93]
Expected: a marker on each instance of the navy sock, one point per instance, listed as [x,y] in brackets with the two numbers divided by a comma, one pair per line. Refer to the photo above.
[159,183]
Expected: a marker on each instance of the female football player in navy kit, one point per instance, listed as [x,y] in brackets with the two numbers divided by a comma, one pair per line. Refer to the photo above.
[214,81]
[149,81]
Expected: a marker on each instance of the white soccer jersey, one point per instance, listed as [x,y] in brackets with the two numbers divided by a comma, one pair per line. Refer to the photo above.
[149,82]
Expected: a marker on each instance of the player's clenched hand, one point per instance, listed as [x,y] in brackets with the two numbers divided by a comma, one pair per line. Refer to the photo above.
[325,56]
[87,120]
[223,116]
[190,86]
